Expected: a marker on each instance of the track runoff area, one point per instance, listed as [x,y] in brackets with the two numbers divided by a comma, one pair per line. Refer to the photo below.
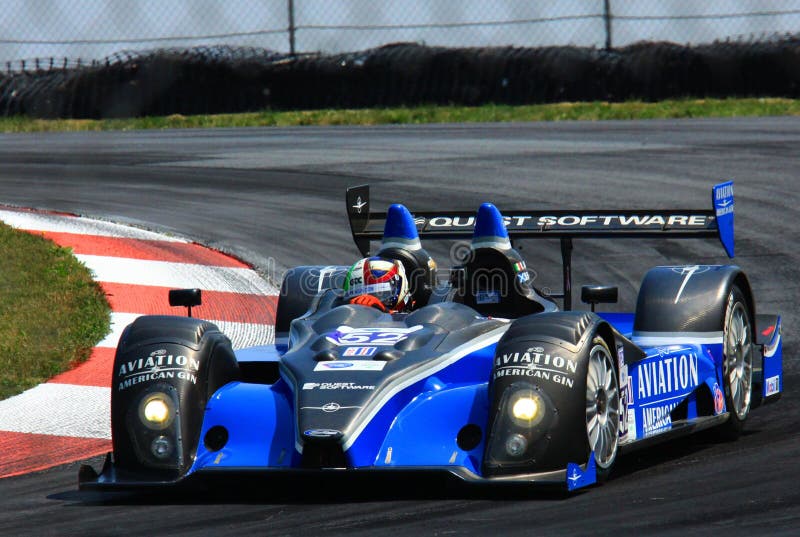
[68,418]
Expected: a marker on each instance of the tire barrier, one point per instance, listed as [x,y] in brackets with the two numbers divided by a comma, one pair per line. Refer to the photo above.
[226,79]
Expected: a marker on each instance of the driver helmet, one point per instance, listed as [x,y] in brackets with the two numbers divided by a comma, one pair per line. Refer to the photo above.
[384,279]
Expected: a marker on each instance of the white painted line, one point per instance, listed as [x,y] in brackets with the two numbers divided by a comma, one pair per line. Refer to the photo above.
[246,334]
[241,334]
[59,409]
[177,275]
[86,226]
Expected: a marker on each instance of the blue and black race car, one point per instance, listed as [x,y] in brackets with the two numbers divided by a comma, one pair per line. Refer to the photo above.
[486,379]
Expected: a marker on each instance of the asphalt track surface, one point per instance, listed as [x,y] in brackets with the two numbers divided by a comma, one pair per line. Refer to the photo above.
[275,197]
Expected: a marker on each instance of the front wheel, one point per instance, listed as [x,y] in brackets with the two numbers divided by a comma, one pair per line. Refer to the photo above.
[602,407]
[737,368]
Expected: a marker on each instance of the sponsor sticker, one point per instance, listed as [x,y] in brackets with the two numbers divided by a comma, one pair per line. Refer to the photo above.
[487,297]
[356,365]
[773,385]
[336,386]
[536,363]
[359,351]
[683,270]
[625,393]
[631,424]
[371,289]
[577,477]
[723,199]
[328,407]
[572,221]
[667,376]
[359,204]
[657,418]
[158,365]
[664,378]
[719,400]
[521,271]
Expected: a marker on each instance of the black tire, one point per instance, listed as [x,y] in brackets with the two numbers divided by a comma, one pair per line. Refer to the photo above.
[299,288]
[737,368]
[603,407]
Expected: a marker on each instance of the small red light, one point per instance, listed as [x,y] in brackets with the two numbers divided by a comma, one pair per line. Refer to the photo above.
[768,331]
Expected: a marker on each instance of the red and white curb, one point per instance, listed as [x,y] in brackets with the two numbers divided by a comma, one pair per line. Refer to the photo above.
[68,417]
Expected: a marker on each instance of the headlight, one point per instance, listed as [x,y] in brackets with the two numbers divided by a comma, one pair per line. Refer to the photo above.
[161,447]
[157,411]
[153,420]
[516,444]
[520,430]
[527,408]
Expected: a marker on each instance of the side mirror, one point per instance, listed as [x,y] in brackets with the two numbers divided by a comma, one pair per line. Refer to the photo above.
[186,298]
[597,294]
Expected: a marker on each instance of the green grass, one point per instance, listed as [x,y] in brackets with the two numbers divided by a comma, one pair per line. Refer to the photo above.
[594,111]
[51,311]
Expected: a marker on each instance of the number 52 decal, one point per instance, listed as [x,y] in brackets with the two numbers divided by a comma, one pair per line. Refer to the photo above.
[345,335]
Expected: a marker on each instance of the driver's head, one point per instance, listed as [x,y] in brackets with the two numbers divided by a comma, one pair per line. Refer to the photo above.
[381,282]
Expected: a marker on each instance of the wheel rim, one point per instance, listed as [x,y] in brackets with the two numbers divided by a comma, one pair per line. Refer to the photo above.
[739,361]
[602,407]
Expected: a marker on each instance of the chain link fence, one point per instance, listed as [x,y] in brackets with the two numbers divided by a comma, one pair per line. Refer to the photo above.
[91,30]
[109,58]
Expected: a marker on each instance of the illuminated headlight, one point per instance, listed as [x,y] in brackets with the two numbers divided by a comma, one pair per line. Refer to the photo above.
[161,447]
[516,444]
[520,430]
[157,411]
[527,408]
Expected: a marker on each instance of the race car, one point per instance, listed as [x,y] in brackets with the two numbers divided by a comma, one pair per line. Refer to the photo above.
[483,379]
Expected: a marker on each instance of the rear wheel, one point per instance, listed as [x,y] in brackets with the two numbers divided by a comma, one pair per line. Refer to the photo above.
[602,407]
[737,368]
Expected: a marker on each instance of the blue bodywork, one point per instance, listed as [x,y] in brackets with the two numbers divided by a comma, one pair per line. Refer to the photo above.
[419,425]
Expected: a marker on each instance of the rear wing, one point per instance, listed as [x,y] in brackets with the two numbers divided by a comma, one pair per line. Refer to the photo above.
[717,221]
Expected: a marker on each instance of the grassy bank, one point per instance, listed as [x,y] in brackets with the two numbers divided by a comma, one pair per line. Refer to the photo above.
[429,114]
[51,312]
